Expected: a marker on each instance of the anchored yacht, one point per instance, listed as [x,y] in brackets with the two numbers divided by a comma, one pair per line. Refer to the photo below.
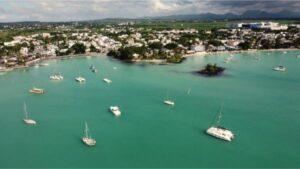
[80,79]
[107,80]
[87,139]
[36,90]
[27,120]
[115,110]
[169,102]
[280,68]
[220,132]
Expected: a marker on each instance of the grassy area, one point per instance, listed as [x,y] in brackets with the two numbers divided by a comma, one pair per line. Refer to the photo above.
[159,25]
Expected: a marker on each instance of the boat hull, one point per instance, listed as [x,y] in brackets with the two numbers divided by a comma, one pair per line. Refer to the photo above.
[220,133]
[29,121]
[88,141]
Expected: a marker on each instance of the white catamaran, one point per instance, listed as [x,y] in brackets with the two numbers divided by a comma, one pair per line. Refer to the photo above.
[220,132]
[88,140]
[27,120]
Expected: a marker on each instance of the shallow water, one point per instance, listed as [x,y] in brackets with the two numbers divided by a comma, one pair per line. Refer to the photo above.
[261,107]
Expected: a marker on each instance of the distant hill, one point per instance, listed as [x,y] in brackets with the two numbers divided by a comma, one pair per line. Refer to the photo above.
[248,15]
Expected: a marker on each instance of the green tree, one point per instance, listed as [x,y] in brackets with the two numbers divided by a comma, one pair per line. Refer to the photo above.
[79,48]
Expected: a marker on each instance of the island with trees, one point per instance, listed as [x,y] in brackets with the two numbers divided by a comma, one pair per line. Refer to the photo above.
[211,70]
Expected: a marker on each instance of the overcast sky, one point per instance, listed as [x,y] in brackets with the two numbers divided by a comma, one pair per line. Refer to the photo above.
[66,10]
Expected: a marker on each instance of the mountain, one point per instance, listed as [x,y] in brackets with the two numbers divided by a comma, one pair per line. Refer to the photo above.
[248,15]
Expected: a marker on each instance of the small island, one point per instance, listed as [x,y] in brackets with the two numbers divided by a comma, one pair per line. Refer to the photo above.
[211,70]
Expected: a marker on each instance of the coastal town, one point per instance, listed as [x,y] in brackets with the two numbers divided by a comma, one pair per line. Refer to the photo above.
[131,42]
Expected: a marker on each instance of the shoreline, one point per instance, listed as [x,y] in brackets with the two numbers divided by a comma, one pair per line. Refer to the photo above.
[238,51]
[152,61]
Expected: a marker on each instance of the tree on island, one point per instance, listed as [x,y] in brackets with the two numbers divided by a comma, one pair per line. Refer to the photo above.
[211,70]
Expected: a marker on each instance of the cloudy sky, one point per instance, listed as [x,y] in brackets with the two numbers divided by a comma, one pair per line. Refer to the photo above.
[66,10]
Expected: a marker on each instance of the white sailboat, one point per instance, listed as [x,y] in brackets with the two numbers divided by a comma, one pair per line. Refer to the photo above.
[80,79]
[107,80]
[220,132]
[27,120]
[86,139]
[168,101]
[280,68]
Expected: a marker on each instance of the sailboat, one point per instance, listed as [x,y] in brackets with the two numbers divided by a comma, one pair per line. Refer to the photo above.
[80,79]
[88,140]
[27,120]
[169,101]
[220,132]
[107,80]
[280,68]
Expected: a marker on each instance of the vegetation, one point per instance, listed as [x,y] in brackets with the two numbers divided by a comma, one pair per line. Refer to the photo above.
[211,70]
[79,48]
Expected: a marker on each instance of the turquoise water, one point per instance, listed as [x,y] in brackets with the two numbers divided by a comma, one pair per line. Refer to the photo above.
[261,107]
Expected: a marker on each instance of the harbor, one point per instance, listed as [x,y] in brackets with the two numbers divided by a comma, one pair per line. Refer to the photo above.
[260,108]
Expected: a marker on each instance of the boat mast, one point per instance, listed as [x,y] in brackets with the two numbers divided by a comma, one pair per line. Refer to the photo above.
[219,116]
[25,111]
[86,130]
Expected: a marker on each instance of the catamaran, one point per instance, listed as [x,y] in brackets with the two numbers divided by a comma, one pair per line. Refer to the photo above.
[56,77]
[86,139]
[107,80]
[36,90]
[220,132]
[115,110]
[27,120]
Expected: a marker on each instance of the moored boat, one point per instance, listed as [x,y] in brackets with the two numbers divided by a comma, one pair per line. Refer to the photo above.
[27,120]
[87,139]
[220,132]
[169,102]
[36,90]
[107,80]
[115,110]
[279,68]
[80,79]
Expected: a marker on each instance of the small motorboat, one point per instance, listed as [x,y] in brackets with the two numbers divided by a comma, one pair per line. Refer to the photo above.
[80,79]
[280,68]
[36,90]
